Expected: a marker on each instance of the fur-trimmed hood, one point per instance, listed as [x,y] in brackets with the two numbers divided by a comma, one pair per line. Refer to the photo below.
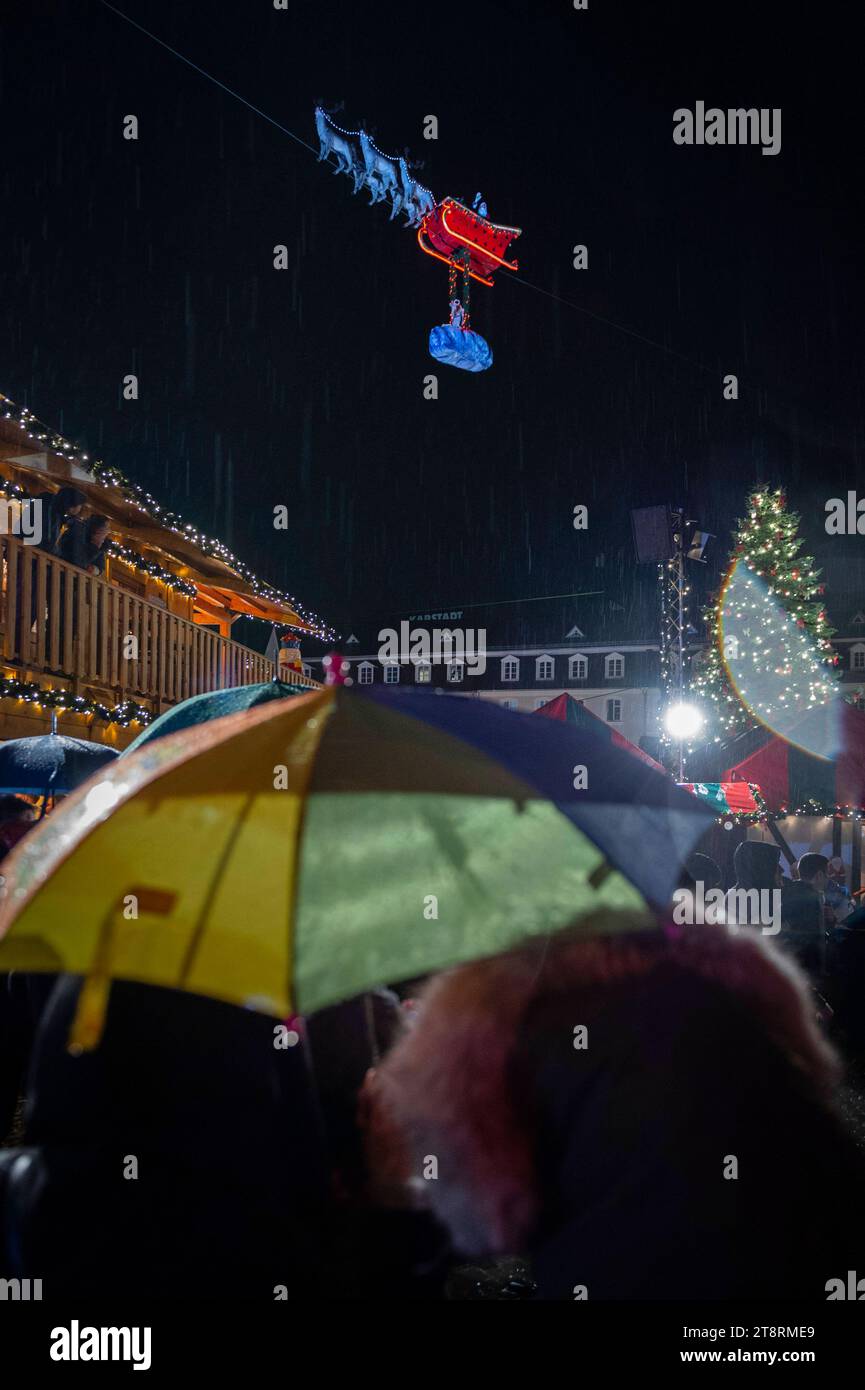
[492,1083]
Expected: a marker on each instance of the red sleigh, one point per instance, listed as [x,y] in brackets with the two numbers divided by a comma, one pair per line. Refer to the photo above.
[451,229]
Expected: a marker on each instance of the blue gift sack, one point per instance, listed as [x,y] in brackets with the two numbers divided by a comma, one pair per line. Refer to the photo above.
[459,347]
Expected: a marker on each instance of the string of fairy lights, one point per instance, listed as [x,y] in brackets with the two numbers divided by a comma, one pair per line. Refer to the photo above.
[35,430]
[55,698]
[151,568]
[811,807]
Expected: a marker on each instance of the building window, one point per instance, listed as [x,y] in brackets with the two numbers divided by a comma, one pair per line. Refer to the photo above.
[614,667]
[857,658]
[391,674]
[509,704]
[545,668]
[539,704]
[614,711]
[365,673]
[510,669]
[423,673]
[307,670]
[456,672]
[578,668]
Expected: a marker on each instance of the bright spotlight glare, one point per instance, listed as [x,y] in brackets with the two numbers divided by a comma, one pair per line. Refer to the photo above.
[683,721]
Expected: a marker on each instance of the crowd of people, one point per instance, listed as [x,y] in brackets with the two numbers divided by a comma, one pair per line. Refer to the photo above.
[627,1112]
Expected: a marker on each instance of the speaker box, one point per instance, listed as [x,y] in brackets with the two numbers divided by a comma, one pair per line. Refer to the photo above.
[653,534]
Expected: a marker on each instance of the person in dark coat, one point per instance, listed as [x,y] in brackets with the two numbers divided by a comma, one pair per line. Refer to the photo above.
[757,865]
[846,956]
[17,1006]
[182,1158]
[803,931]
[85,544]
[645,1114]
[57,508]
[377,1242]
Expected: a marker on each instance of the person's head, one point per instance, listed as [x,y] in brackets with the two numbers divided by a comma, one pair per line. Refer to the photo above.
[703,870]
[15,808]
[757,865]
[494,1078]
[16,818]
[814,869]
[97,530]
[69,501]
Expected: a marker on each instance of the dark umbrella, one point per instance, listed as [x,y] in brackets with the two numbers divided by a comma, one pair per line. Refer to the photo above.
[50,764]
[200,709]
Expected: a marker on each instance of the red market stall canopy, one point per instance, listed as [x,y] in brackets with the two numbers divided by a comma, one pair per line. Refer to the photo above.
[792,779]
[571,711]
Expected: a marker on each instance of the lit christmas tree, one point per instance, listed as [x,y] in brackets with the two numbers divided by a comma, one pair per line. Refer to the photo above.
[769,658]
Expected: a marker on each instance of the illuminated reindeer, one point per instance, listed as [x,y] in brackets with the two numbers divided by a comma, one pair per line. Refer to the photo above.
[417,201]
[331,141]
[380,174]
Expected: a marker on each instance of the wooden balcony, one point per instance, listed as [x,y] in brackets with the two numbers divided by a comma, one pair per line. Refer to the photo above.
[62,627]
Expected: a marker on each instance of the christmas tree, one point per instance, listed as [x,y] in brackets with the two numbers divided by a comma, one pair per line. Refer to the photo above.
[769,658]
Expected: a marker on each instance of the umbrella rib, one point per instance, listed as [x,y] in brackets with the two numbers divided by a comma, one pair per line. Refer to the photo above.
[198,930]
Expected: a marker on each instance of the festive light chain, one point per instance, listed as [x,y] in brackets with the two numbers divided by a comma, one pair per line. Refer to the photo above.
[52,697]
[131,557]
[113,477]
[811,808]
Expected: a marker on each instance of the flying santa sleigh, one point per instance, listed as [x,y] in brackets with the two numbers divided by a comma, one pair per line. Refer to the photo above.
[463,238]
[473,248]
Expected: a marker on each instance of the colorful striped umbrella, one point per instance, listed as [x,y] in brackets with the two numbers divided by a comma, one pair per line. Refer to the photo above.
[296,854]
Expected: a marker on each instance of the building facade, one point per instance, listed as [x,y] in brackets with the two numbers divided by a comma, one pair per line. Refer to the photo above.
[618,681]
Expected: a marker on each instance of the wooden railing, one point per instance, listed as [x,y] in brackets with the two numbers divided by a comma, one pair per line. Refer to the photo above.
[55,618]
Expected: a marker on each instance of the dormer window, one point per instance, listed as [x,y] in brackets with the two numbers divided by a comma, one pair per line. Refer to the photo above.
[857,657]
[423,673]
[578,667]
[510,668]
[545,668]
[365,673]
[614,666]
[456,672]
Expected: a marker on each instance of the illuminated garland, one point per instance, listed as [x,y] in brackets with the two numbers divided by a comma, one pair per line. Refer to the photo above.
[768,546]
[138,562]
[52,697]
[138,497]
[811,808]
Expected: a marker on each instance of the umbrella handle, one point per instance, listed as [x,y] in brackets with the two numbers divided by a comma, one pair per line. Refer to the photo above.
[89,1021]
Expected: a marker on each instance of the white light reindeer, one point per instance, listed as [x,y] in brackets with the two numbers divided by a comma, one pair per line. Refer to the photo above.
[332,141]
[380,174]
[417,201]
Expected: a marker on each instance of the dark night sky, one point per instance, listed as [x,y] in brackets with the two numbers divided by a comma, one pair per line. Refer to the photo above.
[304,387]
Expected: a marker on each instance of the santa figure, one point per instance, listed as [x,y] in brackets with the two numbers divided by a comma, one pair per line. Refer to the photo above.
[290,662]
